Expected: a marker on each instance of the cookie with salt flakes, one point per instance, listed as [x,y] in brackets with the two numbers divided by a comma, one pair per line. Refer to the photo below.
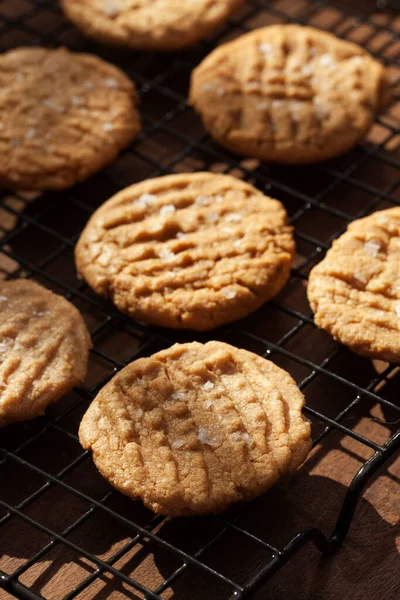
[161,25]
[194,250]
[44,349]
[63,117]
[355,290]
[289,94]
[197,427]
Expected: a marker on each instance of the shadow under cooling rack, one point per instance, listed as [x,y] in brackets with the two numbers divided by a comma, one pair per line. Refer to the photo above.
[64,533]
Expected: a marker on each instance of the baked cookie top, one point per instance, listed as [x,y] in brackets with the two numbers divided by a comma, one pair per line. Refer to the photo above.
[355,291]
[44,348]
[187,251]
[63,116]
[149,24]
[290,94]
[194,428]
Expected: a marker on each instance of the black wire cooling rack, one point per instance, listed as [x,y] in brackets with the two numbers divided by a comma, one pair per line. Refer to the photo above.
[54,508]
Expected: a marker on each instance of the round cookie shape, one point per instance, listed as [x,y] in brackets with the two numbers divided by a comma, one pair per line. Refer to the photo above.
[289,94]
[44,348]
[162,25]
[354,291]
[187,251]
[63,117]
[194,428]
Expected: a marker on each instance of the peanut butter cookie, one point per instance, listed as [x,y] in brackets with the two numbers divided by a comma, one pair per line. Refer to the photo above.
[149,24]
[194,428]
[63,116]
[355,291]
[44,347]
[290,94]
[187,251]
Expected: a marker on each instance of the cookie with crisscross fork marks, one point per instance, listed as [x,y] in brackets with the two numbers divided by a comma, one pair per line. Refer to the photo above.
[194,428]
[149,24]
[187,251]
[44,348]
[355,291]
[289,94]
[63,117]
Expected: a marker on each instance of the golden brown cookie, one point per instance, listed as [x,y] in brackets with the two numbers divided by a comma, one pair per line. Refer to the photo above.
[44,347]
[63,116]
[355,291]
[289,94]
[149,24]
[194,428]
[187,251]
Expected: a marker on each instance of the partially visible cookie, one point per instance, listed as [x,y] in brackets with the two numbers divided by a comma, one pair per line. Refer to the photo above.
[44,347]
[187,251]
[355,291]
[290,94]
[149,24]
[63,116]
[194,428]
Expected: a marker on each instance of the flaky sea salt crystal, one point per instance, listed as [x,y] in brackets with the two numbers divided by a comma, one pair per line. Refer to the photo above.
[237,243]
[253,85]
[236,435]
[111,8]
[108,126]
[111,83]
[208,386]
[168,209]
[139,413]
[372,248]
[277,103]
[145,200]
[382,220]
[178,396]
[77,100]
[228,230]
[212,217]
[307,69]
[247,439]
[155,227]
[3,347]
[3,299]
[53,105]
[326,60]
[203,200]
[207,87]
[3,384]
[177,443]
[357,60]
[266,49]
[359,277]
[321,109]
[206,437]
[208,403]
[31,132]
[180,235]
[233,217]
[142,383]
[398,310]
[89,85]
[229,294]
[166,254]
